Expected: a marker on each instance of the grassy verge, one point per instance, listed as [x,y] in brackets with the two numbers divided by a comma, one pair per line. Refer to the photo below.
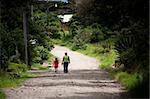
[107,58]
[130,81]
[2,95]
[38,66]
[8,81]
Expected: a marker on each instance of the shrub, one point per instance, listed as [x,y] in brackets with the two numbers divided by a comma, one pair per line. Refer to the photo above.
[37,59]
[41,52]
[49,45]
[98,50]
[16,69]
[108,59]
[39,67]
[2,95]
[130,81]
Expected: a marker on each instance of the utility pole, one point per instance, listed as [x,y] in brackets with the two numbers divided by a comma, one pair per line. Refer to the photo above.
[25,35]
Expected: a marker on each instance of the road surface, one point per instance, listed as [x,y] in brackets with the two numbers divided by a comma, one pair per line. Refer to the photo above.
[84,81]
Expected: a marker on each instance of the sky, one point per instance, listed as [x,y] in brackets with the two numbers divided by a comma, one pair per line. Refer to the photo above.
[66,17]
[66,1]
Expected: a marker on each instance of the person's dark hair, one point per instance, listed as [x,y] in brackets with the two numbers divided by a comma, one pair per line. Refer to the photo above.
[65,53]
[56,59]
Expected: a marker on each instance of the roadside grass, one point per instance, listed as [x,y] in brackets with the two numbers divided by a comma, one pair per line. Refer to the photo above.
[38,66]
[17,75]
[8,81]
[130,81]
[2,95]
[106,58]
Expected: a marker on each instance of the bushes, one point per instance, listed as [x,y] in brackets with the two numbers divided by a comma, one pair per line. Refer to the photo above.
[16,70]
[7,80]
[37,60]
[40,53]
[130,81]
[39,67]
[14,76]
[2,95]
[108,59]
[81,38]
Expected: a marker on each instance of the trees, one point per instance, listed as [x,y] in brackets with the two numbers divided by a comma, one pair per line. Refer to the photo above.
[125,25]
[11,30]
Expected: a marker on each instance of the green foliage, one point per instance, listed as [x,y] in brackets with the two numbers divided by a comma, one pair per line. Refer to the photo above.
[39,67]
[40,53]
[89,34]
[37,60]
[83,37]
[130,81]
[11,30]
[105,56]
[132,45]
[16,69]
[10,41]
[8,80]
[108,59]
[48,23]
[74,27]
[97,33]
[2,95]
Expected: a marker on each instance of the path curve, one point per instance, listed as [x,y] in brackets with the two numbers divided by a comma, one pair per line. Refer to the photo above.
[84,81]
[78,61]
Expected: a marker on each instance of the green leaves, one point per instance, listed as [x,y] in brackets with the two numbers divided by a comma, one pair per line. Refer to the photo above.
[40,53]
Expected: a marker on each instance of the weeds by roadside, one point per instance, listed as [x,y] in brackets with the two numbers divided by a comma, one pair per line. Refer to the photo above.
[2,95]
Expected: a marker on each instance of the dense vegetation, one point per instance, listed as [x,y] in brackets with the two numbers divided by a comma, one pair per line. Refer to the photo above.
[40,28]
[114,31]
[117,33]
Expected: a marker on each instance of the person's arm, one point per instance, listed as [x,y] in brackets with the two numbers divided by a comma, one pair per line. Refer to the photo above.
[69,59]
[63,60]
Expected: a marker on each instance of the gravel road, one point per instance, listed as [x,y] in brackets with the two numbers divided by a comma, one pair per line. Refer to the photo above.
[84,81]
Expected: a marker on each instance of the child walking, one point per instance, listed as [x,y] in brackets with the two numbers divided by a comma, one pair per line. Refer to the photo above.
[55,64]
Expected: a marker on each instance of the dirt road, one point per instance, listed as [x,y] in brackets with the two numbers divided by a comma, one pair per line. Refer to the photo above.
[84,81]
